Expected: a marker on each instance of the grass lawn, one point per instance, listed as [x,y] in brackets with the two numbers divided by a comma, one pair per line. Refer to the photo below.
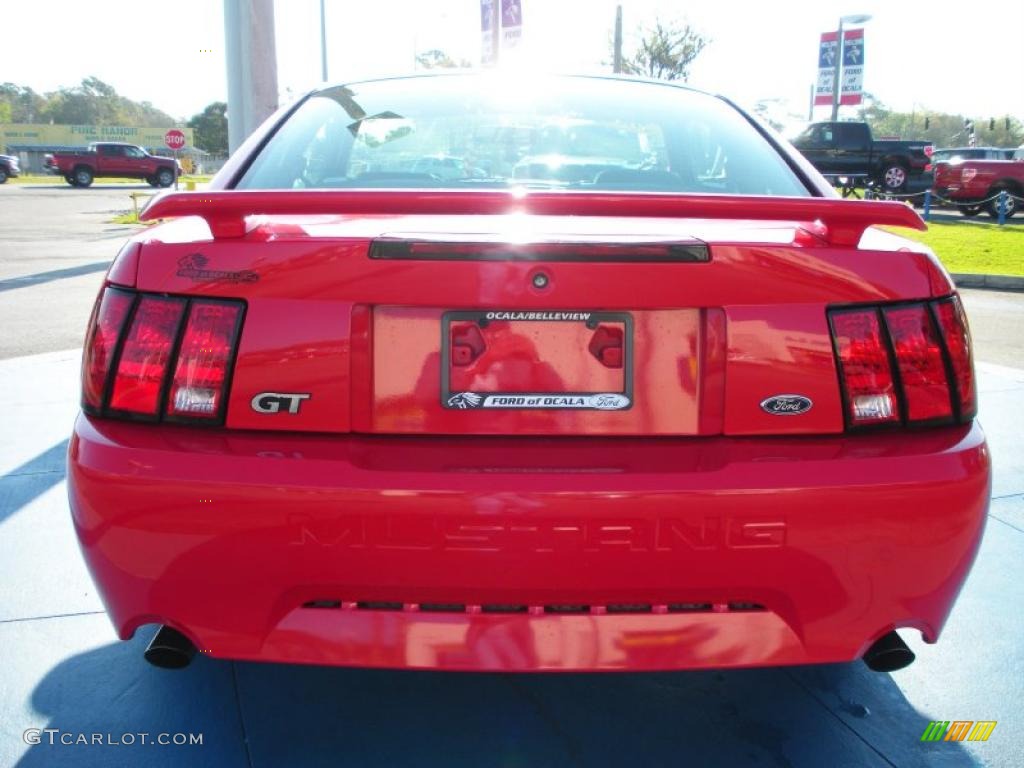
[974,247]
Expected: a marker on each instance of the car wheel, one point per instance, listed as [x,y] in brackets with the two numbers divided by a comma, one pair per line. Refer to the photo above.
[165,177]
[894,177]
[3,175]
[151,180]
[970,210]
[83,177]
[1012,204]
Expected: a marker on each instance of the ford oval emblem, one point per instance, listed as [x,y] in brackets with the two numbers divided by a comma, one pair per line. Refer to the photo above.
[786,405]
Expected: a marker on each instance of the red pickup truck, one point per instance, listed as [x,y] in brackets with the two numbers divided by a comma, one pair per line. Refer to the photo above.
[974,185]
[113,159]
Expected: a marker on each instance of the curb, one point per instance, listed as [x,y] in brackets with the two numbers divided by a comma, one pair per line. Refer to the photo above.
[992,282]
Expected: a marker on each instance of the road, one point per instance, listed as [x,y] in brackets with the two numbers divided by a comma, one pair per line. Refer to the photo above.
[56,243]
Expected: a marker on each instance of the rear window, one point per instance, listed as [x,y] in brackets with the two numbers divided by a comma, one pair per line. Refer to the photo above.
[484,132]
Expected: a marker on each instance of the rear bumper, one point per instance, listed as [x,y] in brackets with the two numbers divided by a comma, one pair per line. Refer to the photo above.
[227,536]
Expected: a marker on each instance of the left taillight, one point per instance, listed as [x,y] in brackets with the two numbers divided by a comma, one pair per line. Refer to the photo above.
[151,357]
[108,316]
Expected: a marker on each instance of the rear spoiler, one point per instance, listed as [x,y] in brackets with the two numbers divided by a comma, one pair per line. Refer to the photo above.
[838,222]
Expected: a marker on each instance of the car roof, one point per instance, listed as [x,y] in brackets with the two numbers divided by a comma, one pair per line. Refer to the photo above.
[499,74]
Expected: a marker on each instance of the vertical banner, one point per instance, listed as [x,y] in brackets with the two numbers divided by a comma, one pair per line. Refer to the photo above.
[852,75]
[826,68]
[511,23]
[488,32]
[853,67]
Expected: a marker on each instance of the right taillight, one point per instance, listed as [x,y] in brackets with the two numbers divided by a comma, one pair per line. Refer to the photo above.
[150,356]
[953,325]
[865,367]
[904,363]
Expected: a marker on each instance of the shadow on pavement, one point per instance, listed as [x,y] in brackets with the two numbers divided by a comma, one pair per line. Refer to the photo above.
[32,479]
[279,715]
[25,281]
[111,690]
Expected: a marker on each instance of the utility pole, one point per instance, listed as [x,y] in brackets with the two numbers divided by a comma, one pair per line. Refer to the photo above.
[323,42]
[251,61]
[617,63]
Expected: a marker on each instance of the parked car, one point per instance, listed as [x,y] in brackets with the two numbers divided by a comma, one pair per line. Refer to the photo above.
[113,159]
[952,154]
[8,167]
[700,413]
[847,149]
[974,185]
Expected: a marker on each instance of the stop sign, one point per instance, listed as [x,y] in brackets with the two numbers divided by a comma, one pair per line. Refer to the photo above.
[174,139]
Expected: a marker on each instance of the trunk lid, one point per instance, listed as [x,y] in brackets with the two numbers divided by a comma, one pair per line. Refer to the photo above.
[434,317]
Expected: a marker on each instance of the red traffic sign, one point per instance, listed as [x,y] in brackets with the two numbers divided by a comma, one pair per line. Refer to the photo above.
[174,139]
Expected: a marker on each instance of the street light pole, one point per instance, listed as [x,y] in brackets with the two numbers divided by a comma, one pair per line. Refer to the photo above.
[837,86]
[323,41]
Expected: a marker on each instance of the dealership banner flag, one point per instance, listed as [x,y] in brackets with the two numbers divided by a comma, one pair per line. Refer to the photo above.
[852,76]
[511,23]
[488,30]
[853,67]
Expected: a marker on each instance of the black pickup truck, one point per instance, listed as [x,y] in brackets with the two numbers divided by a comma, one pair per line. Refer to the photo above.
[848,150]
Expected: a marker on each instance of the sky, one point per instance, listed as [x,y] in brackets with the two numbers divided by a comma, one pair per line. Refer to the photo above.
[918,55]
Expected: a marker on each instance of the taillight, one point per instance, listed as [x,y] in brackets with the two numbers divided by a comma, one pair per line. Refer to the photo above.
[919,360]
[953,325]
[904,363]
[105,327]
[142,367]
[169,358]
[864,367]
[201,373]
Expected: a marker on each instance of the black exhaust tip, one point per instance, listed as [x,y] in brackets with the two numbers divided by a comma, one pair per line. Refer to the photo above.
[888,653]
[169,649]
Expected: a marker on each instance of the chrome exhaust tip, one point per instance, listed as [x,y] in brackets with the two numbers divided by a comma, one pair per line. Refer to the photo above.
[169,649]
[888,653]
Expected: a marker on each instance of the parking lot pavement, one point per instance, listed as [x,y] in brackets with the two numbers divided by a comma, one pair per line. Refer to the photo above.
[62,667]
[56,243]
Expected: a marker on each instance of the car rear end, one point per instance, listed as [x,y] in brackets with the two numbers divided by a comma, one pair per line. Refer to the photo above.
[956,180]
[526,429]
[9,167]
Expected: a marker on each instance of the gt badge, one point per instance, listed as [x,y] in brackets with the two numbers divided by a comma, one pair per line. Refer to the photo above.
[786,405]
[276,402]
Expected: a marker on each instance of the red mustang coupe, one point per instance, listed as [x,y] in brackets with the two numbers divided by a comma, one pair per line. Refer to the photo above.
[482,373]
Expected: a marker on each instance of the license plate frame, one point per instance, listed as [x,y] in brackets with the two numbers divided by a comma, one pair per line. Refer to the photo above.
[557,401]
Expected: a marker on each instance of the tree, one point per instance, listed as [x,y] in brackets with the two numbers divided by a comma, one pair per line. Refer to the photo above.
[94,102]
[211,128]
[942,129]
[25,104]
[666,52]
[437,59]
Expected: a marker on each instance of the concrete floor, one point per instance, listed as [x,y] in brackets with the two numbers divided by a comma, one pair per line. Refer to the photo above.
[62,667]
